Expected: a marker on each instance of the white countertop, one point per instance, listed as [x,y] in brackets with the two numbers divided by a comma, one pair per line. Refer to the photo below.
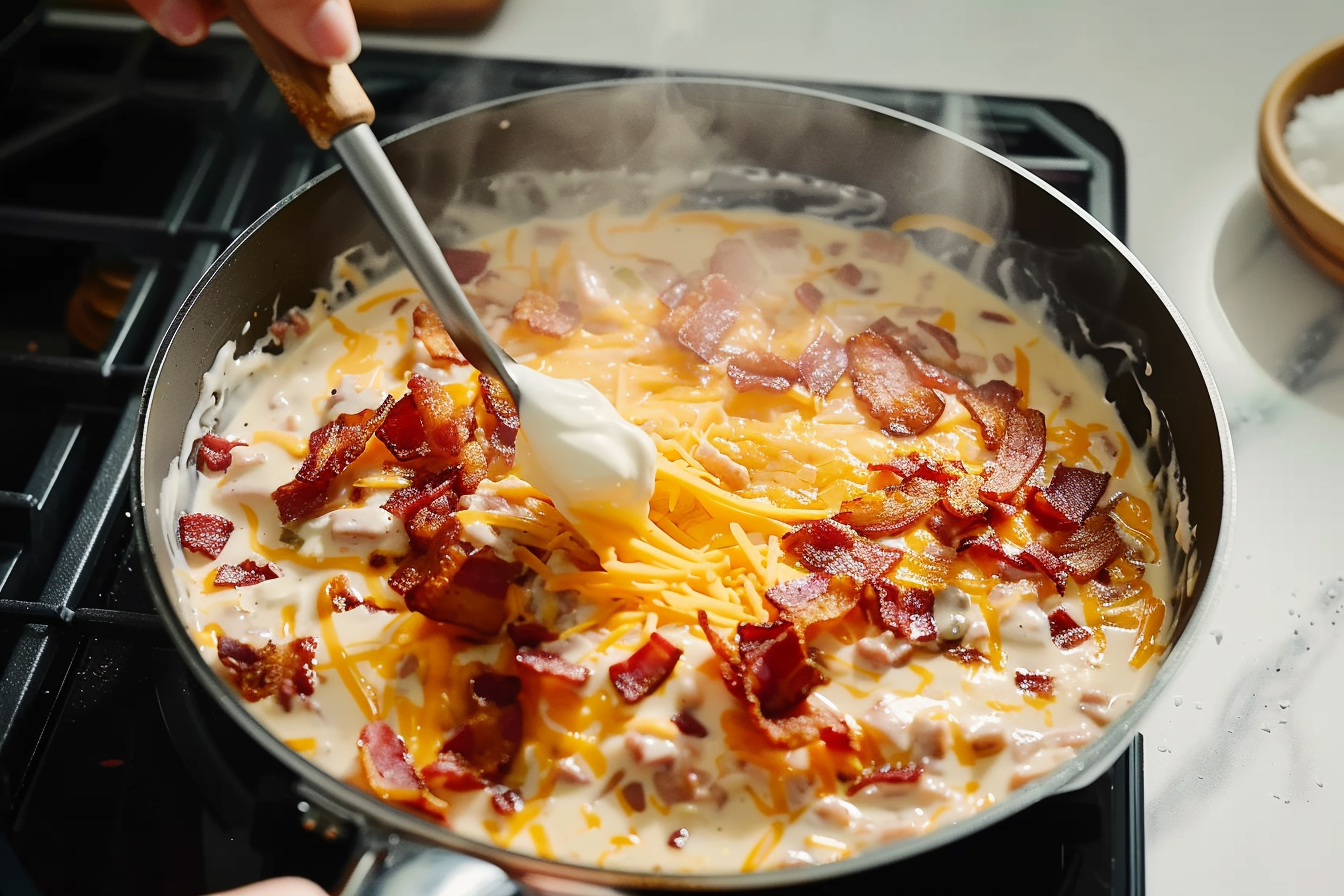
[1243,794]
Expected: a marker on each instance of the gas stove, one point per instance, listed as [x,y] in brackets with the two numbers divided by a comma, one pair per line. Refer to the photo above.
[127,165]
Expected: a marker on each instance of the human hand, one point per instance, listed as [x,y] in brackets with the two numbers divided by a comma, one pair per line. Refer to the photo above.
[279,886]
[321,31]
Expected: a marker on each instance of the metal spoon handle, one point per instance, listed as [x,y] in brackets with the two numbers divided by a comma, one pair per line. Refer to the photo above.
[392,206]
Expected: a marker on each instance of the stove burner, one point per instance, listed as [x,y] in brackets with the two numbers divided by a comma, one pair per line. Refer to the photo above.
[126,165]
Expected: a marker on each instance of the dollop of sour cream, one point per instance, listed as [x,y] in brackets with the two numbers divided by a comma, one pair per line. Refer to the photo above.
[596,466]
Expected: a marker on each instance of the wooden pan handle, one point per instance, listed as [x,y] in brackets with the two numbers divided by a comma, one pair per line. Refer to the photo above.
[325,100]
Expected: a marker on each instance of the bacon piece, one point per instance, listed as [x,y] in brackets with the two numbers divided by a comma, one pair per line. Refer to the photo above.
[506,801]
[672,295]
[646,669]
[906,612]
[461,589]
[343,598]
[962,497]
[734,259]
[996,317]
[775,669]
[552,665]
[689,725]
[891,510]
[967,656]
[834,548]
[448,427]
[679,838]
[331,448]
[814,598]
[402,433]
[705,316]
[949,528]
[280,671]
[466,264]
[387,765]
[805,725]
[778,237]
[1072,494]
[633,794]
[1091,546]
[762,371]
[937,469]
[848,274]
[886,774]
[883,383]
[213,452]
[495,689]
[430,331]
[493,733]
[1045,561]
[529,634]
[500,408]
[451,773]
[990,405]
[945,339]
[1033,558]
[808,296]
[1066,633]
[822,364]
[428,490]
[907,346]
[1037,683]
[203,533]
[729,669]
[245,574]
[545,315]
[1019,455]
[884,246]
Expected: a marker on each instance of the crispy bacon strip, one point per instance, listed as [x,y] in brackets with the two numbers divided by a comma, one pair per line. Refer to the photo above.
[428,489]
[815,598]
[1037,683]
[462,589]
[529,634]
[996,317]
[448,428]
[245,574]
[545,315]
[990,405]
[204,533]
[891,510]
[1033,558]
[553,665]
[430,331]
[646,669]
[489,740]
[505,800]
[466,264]
[967,656]
[504,434]
[402,433]
[763,371]
[1072,494]
[213,452]
[704,316]
[1091,546]
[949,528]
[1019,455]
[962,497]
[387,765]
[1066,633]
[331,448]
[883,383]
[282,671]
[906,612]
[834,548]
[945,339]
[776,672]
[808,296]
[822,364]
[451,773]
[937,469]
[886,774]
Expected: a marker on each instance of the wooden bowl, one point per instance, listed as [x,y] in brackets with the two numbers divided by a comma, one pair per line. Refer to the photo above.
[1309,225]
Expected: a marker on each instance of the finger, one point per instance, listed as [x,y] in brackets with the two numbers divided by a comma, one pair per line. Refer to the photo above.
[279,886]
[321,31]
[183,22]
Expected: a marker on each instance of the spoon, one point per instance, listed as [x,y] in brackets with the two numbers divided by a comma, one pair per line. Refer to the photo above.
[573,445]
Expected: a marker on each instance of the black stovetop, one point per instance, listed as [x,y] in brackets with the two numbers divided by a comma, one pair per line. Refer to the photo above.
[126,166]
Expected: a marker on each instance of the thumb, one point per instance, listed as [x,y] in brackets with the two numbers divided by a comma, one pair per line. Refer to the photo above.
[321,31]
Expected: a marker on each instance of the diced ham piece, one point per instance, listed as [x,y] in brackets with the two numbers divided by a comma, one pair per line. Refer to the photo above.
[203,533]
[1072,494]
[886,774]
[1036,683]
[834,548]
[245,574]
[815,598]
[1019,455]
[734,259]
[430,331]
[906,612]
[689,725]
[996,317]
[945,339]
[763,371]
[883,245]
[553,665]
[778,237]
[673,293]
[891,510]
[990,405]
[822,364]
[212,453]
[466,264]
[808,296]
[848,274]
[282,671]
[1066,633]
[331,448]
[545,315]
[883,383]
[387,765]
[646,669]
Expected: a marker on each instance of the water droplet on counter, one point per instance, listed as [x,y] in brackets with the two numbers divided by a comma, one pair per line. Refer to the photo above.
[1163,748]
[1265,729]
[1179,700]
[1284,704]
[1217,637]
[1199,705]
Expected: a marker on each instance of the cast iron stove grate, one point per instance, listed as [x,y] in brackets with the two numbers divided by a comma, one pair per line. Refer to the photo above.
[126,166]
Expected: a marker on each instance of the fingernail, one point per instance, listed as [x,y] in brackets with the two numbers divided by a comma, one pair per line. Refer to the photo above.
[180,21]
[332,34]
